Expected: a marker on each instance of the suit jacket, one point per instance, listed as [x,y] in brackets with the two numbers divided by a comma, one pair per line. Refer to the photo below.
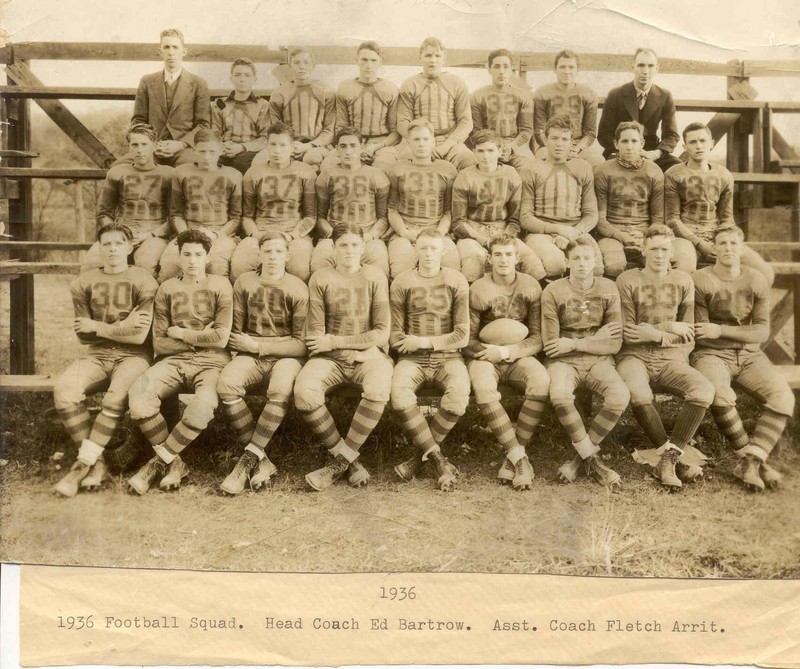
[190,111]
[622,105]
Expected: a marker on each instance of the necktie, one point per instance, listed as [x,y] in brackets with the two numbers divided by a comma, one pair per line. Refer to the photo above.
[642,98]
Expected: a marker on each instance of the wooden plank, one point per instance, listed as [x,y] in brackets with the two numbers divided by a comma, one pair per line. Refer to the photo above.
[44,246]
[26,269]
[754,178]
[64,118]
[92,92]
[770,68]
[778,355]
[53,172]
[774,246]
[785,164]
[784,107]
[781,314]
[10,153]
[787,269]
[15,383]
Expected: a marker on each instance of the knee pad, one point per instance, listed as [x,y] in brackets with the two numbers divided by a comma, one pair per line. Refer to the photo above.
[198,414]
[455,401]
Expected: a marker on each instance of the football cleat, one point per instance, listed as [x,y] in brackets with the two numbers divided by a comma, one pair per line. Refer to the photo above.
[357,474]
[264,473]
[235,482]
[326,476]
[68,485]
[569,470]
[771,476]
[748,472]
[687,473]
[506,472]
[409,469]
[446,472]
[176,472]
[666,469]
[600,472]
[523,474]
[96,476]
[141,481]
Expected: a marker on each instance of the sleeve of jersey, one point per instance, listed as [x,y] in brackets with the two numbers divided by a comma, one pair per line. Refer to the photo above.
[234,204]
[325,138]
[109,200]
[514,205]
[163,344]
[627,305]
[463,114]
[405,107]
[323,227]
[315,316]
[249,198]
[449,177]
[551,327]
[601,344]
[393,202]
[588,201]
[217,335]
[725,202]
[381,185]
[528,220]
[604,228]
[475,110]
[397,307]
[757,331]
[239,307]
[177,211]
[701,313]
[532,344]
[685,314]
[589,125]
[391,121]
[81,304]
[341,108]
[380,319]
[276,108]
[672,209]
[217,121]
[459,206]
[539,117]
[657,197]
[475,311]
[459,337]
[123,333]
[309,220]
[524,120]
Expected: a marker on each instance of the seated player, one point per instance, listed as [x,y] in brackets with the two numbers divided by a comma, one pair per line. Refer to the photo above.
[486,202]
[269,315]
[349,191]
[205,197]
[581,332]
[505,293]
[192,322]
[698,199]
[567,96]
[440,98]
[658,334]
[630,198]
[308,107]
[558,201]
[420,195]
[731,322]
[430,326]
[278,195]
[113,311]
[174,101]
[347,334]
[506,109]
[241,118]
[369,104]
[137,194]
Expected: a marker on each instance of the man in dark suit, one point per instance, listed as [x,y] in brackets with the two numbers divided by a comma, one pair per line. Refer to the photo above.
[175,102]
[641,100]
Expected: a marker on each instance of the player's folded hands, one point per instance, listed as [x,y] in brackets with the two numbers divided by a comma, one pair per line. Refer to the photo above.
[319,344]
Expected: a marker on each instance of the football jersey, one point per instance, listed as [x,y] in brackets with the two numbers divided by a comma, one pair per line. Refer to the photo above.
[280,198]
[353,196]
[630,200]
[435,307]
[658,301]
[421,194]
[109,299]
[206,198]
[370,108]
[241,121]
[310,111]
[139,198]
[443,100]
[263,307]
[579,102]
[562,194]
[508,112]
[697,202]
[520,301]
[578,314]
[354,308]
[742,302]
[490,198]
[204,309]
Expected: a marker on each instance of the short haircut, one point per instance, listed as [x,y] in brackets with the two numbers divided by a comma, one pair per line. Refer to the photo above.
[421,123]
[171,32]
[193,236]
[342,229]
[241,60]
[629,125]
[348,130]
[497,53]
[583,240]
[298,51]
[431,41]
[280,128]
[369,45]
[696,125]
[727,229]
[483,136]
[207,135]
[566,53]
[558,122]
[432,233]
[658,230]
[271,236]
[141,129]
[644,49]
[502,240]
[115,227]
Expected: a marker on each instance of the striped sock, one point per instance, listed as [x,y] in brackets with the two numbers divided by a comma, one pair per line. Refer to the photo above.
[769,429]
[530,415]
[322,425]
[686,423]
[603,423]
[239,418]
[364,421]
[442,423]
[730,424]
[104,427]
[650,421]
[416,428]
[181,436]
[268,422]
[571,421]
[498,422]
[77,422]
[154,429]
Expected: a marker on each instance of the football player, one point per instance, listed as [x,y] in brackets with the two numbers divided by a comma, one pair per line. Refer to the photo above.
[581,332]
[430,326]
[113,311]
[191,326]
